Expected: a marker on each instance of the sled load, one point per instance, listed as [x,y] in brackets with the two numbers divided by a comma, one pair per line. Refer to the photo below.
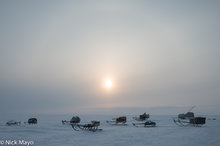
[189,119]
[13,122]
[143,121]
[142,117]
[74,122]
[118,121]
[32,121]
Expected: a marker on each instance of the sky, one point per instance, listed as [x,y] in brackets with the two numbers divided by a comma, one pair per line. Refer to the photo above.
[160,55]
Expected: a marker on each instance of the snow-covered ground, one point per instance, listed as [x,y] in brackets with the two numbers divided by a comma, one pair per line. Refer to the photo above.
[50,132]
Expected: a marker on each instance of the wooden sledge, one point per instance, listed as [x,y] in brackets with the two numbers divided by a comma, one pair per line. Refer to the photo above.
[188,119]
[93,126]
[74,122]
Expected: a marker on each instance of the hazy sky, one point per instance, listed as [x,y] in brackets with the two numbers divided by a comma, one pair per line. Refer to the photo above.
[56,55]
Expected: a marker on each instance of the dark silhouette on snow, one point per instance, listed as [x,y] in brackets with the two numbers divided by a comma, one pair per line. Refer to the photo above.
[32,121]
[142,117]
[189,119]
[13,122]
[145,124]
[143,121]
[118,121]
[74,122]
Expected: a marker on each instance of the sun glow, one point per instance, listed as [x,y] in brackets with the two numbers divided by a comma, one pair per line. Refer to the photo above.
[108,83]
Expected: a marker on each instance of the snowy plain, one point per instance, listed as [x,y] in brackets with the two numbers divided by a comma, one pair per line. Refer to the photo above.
[50,132]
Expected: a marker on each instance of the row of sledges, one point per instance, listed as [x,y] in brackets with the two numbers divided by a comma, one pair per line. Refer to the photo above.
[13,122]
[75,123]
[141,121]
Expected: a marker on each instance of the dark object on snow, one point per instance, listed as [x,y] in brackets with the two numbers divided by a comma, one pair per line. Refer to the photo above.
[32,121]
[149,123]
[186,115]
[142,117]
[93,126]
[189,119]
[74,120]
[145,124]
[65,122]
[118,121]
[199,120]
[12,122]
[121,120]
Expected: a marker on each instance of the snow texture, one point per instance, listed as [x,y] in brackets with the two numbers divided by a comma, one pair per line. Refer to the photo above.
[50,132]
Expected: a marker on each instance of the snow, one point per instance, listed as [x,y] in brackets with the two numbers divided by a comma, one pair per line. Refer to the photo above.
[50,132]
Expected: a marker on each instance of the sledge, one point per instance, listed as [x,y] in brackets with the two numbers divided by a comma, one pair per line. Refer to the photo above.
[93,126]
[13,122]
[145,124]
[142,117]
[188,119]
[118,121]
[74,122]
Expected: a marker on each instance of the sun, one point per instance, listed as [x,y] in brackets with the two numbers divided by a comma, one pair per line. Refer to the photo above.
[108,83]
